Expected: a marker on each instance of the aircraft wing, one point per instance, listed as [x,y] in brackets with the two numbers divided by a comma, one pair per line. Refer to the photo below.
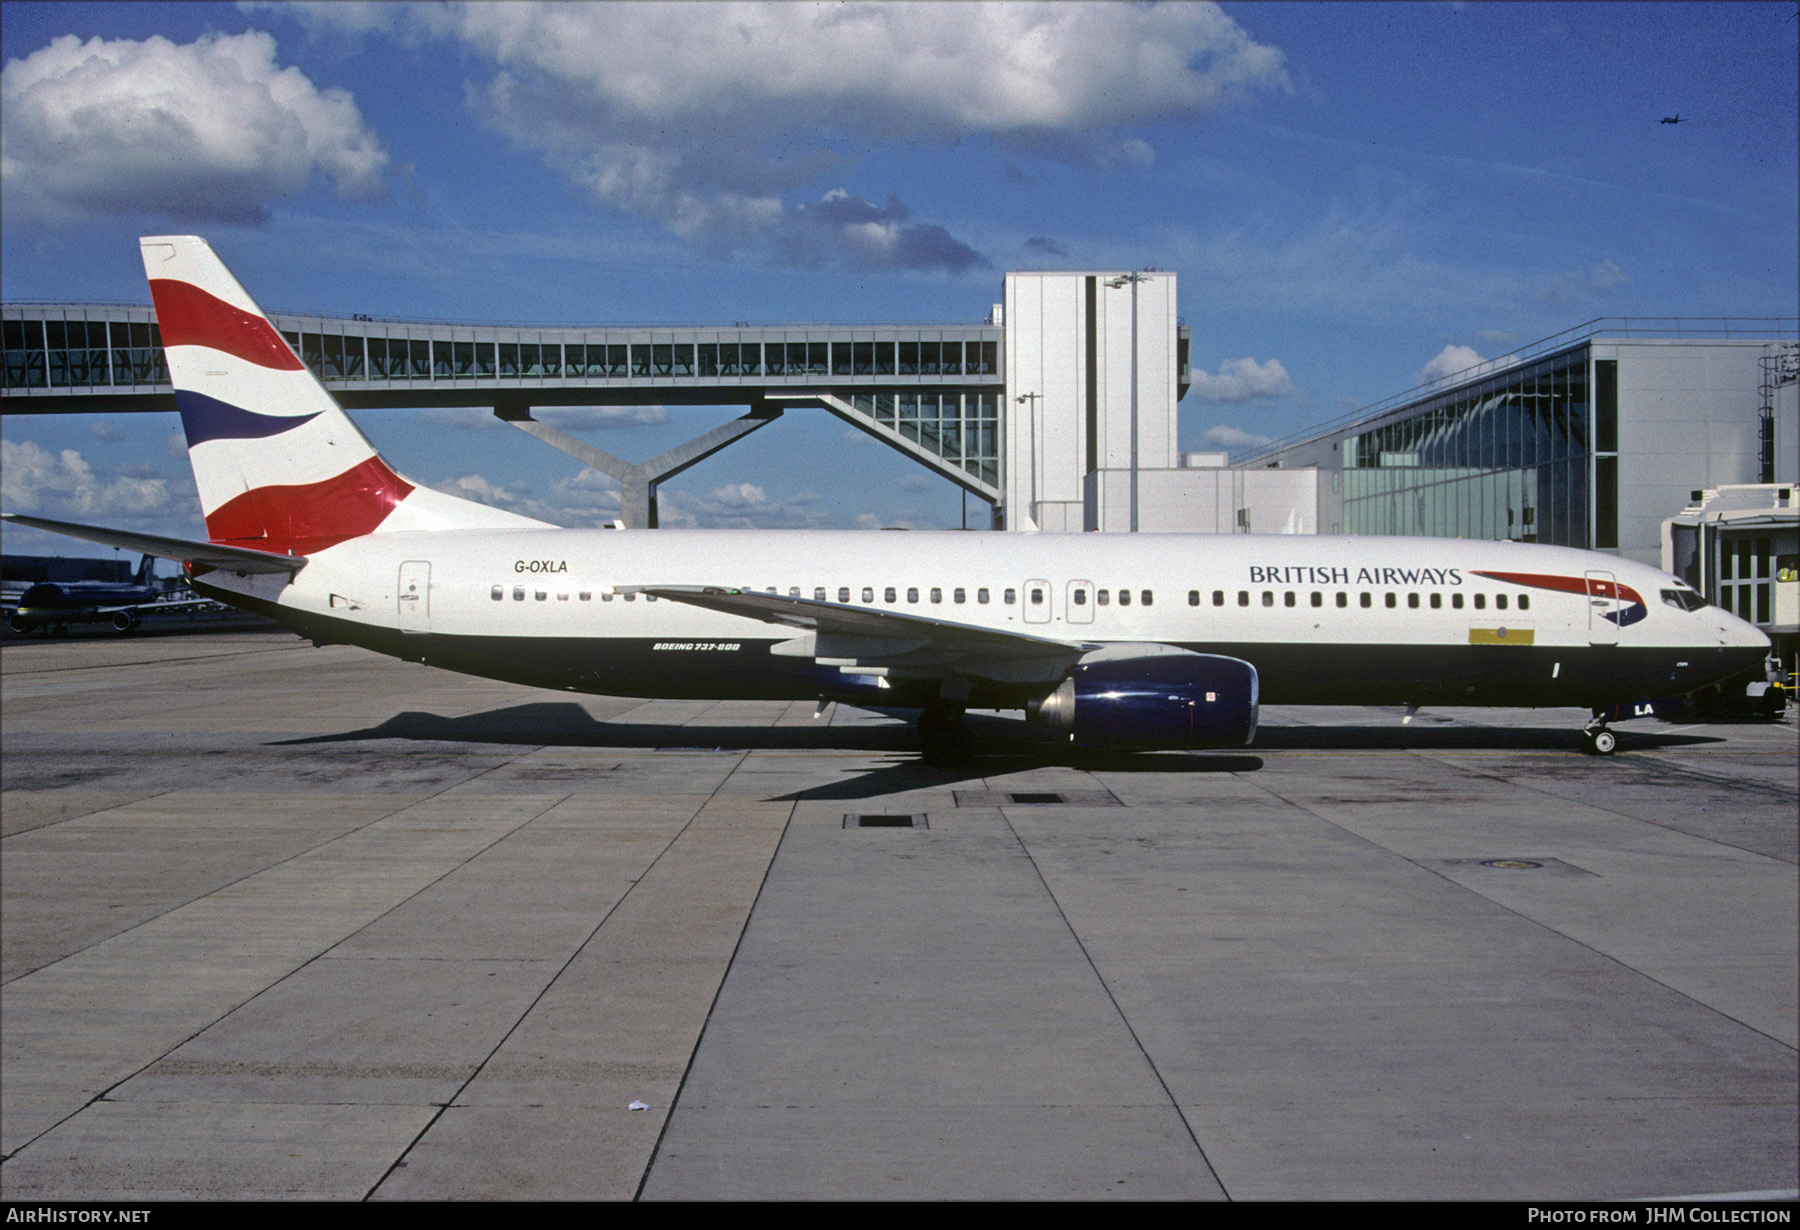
[900,643]
[211,554]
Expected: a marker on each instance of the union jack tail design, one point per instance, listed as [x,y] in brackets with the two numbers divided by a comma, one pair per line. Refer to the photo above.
[279,465]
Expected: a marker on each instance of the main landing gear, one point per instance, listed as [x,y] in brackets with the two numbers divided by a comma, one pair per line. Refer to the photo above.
[943,735]
[1596,739]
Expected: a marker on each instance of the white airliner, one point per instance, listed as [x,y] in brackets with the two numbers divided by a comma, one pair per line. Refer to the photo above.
[1143,640]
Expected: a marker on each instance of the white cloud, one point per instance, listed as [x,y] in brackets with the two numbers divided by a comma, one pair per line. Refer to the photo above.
[1450,360]
[100,429]
[705,117]
[1228,437]
[65,487]
[1459,360]
[1245,380]
[208,131]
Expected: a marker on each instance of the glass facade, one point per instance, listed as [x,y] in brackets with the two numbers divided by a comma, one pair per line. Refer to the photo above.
[59,354]
[1503,459]
[961,427]
[47,353]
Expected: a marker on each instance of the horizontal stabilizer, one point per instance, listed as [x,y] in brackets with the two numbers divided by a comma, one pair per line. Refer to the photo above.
[210,554]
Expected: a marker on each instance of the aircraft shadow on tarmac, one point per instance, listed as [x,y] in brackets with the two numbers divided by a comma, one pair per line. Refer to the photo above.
[1005,746]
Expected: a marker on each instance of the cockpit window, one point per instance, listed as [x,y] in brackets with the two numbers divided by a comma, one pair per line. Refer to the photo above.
[1683,599]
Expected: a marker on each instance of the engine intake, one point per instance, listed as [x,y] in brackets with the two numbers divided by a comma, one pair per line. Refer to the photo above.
[1171,699]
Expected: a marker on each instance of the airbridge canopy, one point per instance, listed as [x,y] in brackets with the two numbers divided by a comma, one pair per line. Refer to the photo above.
[937,388]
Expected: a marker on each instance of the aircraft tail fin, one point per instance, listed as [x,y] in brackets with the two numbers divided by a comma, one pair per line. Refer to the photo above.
[279,465]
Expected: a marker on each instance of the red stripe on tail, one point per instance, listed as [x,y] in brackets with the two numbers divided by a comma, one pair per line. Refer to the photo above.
[309,517]
[190,316]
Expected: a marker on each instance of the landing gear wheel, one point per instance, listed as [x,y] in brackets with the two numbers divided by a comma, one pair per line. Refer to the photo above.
[944,739]
[1599,742]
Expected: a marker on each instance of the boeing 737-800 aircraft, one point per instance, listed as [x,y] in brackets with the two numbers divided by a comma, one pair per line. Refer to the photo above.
[1146,640]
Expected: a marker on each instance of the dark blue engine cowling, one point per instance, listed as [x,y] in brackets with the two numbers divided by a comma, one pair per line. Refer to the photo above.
[1164,700]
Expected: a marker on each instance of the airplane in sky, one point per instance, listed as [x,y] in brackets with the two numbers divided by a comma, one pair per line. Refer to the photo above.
[54,605]
[1674,119]
[1126,641]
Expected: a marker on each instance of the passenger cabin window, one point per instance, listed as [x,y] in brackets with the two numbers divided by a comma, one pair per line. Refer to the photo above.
[1147,597]
[606,596]
[1008,597]
[1037,597]
[1481,602]
[1456,601]
[868,594]
[1218,597]
[1079,597]
[587,595]
[562,597]
[1343,599]
[1500,602]
[912,593]
[793,591]
[981,596]
[1268,597]
[1103,596]
[819,594]
[631,597]
[1318,599]
[1437,601]
[959,596]
[1412,602]
[518,593]
[1287,599]
[1124,597]
[937,595]
[1368,600]
[843,593]
[1243,597]
[1193,597]
[888,594]
[542,594]
[1524,602]
[1392,601]
[499,592]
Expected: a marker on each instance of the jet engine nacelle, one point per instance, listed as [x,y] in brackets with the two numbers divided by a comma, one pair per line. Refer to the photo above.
[1171,698]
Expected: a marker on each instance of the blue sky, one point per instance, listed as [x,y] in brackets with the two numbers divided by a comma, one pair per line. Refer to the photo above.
[1353,196]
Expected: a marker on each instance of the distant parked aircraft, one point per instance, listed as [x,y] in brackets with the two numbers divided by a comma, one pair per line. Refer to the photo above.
[53,605]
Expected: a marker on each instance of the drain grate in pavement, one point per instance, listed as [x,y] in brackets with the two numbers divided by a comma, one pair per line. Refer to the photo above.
[852,820]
